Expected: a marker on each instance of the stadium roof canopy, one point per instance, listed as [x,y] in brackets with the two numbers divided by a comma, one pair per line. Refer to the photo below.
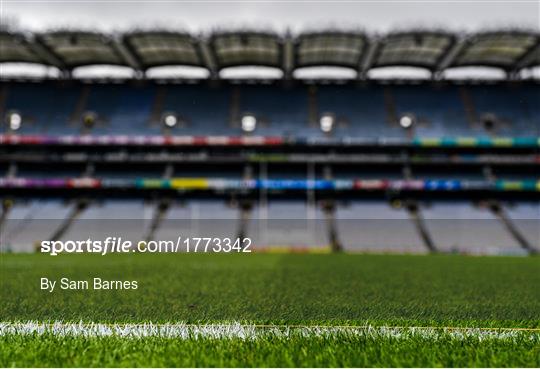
[530,60]
[436,51]
[75,49]
[163,48]
[497,49]
[245,48]
[330,48]
[15,47]
[422,49]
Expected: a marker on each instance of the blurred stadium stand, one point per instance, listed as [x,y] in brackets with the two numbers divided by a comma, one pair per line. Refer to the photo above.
[367,111]
[456,226]
[391,165]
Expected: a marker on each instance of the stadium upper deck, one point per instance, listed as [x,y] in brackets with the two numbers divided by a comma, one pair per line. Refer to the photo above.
[364,110]
[368,112]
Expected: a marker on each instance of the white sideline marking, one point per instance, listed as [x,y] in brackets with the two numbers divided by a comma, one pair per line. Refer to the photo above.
[252,332]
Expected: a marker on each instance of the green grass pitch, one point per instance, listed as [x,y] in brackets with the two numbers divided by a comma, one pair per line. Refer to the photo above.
[286,290]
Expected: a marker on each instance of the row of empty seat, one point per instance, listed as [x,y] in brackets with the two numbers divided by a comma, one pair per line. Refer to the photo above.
[360,111]
[361,226]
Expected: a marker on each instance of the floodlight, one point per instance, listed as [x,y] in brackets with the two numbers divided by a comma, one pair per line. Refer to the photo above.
[170,120]
[327,123]
[406,121]
[249,123]
[14,121]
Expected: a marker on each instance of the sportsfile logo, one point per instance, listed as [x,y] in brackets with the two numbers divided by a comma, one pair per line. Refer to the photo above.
[110,244]
[119,245]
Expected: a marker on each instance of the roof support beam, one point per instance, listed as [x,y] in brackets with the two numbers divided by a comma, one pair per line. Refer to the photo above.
[449,58]
[130,58]
[527,58]
[367,60]
[46,54]
[288,56]
[208,58]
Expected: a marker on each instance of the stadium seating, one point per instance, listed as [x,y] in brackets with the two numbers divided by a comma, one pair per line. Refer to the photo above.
[439,110]
[122,109]
[462,227]
[198,219]
[295,224]
[516,107]
[377,227]
[31,222]
[526,217]
[286,116]
[45,109]
[361,111]
[130,218]
[365,111]
[370,111]
[204,110]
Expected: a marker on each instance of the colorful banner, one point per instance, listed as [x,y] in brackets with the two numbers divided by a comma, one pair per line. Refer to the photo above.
[219,184]
[495,142]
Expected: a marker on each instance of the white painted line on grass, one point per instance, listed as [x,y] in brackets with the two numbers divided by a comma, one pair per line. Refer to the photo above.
[252,332]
